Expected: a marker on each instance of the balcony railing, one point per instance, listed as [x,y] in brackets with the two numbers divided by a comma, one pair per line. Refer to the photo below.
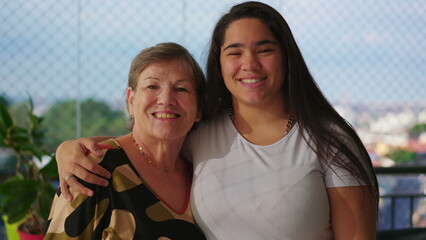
[410,231]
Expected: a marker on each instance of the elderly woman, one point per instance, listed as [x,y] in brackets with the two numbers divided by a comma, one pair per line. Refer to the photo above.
[148,194]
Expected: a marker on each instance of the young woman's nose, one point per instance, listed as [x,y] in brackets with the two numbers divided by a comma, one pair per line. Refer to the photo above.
[250,62]
[166,97]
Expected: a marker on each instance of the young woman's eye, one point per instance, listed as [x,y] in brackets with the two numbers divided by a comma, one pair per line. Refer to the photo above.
[234,54]
[265,50]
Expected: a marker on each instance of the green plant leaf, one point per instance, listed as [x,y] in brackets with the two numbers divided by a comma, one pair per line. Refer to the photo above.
[46,197]
[16,186]
[16,137]
[35,151]
[17,207]
[51,169]
[19,194]
[15,217]
[7,185]
[5,121]
[27,193]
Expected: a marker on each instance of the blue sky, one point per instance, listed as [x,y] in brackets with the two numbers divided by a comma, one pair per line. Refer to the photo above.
[357,50]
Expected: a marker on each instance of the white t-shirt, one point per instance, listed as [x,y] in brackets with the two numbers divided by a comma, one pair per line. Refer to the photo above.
[245,191]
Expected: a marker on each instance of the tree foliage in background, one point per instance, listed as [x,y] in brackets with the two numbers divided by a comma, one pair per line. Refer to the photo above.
[4,101]
[401,156]
[97,119]
[18,111]
[417,129]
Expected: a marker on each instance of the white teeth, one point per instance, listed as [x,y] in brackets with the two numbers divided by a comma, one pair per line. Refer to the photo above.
[250,80]
[165,115]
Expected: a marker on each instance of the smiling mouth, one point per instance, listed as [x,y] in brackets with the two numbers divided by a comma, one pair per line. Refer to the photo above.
[166,115]
[252,80]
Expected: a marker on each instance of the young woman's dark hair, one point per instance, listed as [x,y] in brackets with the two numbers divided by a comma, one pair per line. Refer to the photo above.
[332,138]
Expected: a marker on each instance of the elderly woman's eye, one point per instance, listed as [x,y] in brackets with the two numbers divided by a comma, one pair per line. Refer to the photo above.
[151,87]
[181,89]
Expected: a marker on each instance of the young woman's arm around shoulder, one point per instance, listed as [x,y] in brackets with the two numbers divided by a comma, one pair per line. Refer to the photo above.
[72,159]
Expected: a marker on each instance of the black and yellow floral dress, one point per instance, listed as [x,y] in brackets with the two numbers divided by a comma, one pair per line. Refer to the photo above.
[126,209]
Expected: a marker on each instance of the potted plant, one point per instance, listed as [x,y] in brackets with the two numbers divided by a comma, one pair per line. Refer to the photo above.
[28,194]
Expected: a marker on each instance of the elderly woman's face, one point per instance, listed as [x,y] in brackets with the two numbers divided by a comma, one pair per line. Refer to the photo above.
[164,103]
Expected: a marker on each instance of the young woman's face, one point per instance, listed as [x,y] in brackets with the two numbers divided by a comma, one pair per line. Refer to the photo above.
[164,103]
[252,63]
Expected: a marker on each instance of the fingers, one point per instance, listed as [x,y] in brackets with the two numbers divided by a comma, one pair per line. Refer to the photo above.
[90,145]
[64,190]
[86,171]
[72,160]
[67,177]
[77,186]
[71,181]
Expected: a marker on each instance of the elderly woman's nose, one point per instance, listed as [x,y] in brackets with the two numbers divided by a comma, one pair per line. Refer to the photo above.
[166,97]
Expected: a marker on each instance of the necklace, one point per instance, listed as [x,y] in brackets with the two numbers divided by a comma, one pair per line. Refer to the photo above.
[290,123]
[152,163]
